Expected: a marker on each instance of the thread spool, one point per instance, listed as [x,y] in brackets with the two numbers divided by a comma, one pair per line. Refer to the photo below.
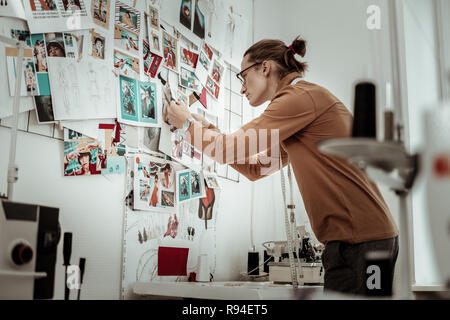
[202,268]
[253,263]
[364,121]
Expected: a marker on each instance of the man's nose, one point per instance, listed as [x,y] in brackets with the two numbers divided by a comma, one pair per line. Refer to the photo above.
[243,89]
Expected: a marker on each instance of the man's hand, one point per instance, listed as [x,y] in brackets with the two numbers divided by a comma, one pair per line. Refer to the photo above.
[177,114]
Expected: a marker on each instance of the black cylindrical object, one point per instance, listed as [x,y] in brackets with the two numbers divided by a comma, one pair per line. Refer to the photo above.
[253,263]
[379,273]
[67,248]
[267,259]
[364,121]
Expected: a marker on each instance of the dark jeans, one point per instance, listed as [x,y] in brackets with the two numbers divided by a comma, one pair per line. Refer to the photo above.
[345,264]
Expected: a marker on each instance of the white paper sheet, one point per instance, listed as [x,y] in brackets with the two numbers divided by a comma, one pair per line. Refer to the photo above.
[82,90]
[56,15]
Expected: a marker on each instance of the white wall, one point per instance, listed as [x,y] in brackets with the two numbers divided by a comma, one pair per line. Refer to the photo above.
[423,88]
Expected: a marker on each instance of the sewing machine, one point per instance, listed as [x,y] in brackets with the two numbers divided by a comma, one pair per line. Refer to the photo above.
[307,256]
[29,236]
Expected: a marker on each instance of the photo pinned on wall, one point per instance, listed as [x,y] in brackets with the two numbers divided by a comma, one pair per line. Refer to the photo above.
[154,18]
[152,61]
[155,41]
[126,40]
[190,185]
[44,109]
[150,141]
[62,45]
[188,58]
[154,184]
[207,50]
[212,87]
[85,155]
[126,65]
[80,154]
[211,180]
[217,72]
[98,45]
[189,80]
[29,86]
[186,13]
[111,158]
[127,17]
[204,61]
[170,47]
[199,21]
[182,97]
[138,102]
[100,11]
[50,15]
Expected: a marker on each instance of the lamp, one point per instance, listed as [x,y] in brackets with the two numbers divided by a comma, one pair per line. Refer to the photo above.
[14,9]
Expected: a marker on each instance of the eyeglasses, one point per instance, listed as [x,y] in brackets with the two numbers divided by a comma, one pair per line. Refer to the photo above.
[240,75]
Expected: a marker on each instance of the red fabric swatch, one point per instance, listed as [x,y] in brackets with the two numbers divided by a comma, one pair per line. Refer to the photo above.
[172,261]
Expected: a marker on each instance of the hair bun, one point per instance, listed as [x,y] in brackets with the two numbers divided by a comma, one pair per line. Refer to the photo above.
[299,46]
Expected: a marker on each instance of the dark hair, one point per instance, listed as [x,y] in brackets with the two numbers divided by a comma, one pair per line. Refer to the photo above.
[84,154]
[282,55]
[57,45]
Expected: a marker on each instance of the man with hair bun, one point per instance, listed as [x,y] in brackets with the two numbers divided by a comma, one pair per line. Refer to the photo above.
[345,208]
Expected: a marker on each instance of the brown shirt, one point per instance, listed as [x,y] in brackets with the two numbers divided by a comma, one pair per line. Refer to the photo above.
[340,200]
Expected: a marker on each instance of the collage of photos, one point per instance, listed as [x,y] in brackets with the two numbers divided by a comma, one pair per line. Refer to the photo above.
[127,26]
[153,30]
[138,102]
[190,185]
[210,71]
[154,184]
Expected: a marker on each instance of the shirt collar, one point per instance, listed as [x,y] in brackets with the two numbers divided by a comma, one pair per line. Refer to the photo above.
[286,80]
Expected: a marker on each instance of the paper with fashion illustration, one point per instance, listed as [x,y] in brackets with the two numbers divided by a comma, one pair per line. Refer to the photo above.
[190,185]
[170,51]
[139,102]
[88,156]
[57,15]
[126,65]
[154,184]
[82,90]
[211,180]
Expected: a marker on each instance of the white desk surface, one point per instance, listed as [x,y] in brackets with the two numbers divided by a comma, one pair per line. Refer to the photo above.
[226,290]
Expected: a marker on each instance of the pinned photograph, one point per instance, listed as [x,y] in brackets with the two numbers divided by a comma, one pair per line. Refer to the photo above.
[126,40]
[147,93]
[126,65]
[195,184]
[155,64]
[128,99]
[154,17]
[80,154]
[189,80]
[128,17]
[217,71]
[204,60]
[151,139]
[184,186]
[55,45]
[98,45]
[170,52]
[212,87]
[44,109]
[155,41]
[190,186]
[100,12]
[188,58]
[186,13]
[208,50]
[71,5]
[199,22]
[211,180]
[39,52]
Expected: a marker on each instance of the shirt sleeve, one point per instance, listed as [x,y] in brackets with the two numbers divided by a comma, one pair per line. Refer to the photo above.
[291,110]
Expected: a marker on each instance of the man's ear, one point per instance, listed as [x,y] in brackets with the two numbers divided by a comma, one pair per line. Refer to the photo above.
[266,68]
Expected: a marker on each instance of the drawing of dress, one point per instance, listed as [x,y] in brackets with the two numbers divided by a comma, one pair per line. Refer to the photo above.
[93,87]
[64,84]
[154,198]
